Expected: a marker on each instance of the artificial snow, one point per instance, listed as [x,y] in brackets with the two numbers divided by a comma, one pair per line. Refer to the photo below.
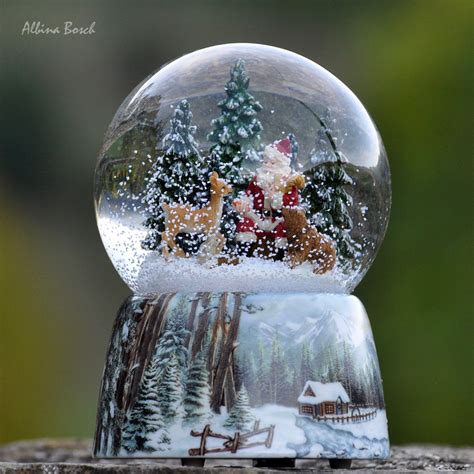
[250,275]
[148,272]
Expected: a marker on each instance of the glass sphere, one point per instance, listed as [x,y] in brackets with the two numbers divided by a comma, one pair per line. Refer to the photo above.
[242,167]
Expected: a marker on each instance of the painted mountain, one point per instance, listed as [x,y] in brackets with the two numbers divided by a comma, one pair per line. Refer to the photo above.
[308,342]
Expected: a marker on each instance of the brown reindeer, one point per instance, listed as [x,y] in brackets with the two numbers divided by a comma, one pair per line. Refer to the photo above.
[305,243]
[183,218]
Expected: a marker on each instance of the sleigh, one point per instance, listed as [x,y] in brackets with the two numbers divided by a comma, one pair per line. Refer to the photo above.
[232,444]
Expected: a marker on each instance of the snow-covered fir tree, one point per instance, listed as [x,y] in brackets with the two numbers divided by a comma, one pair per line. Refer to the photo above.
[145,428]
[236,134]
[179,174]
[170,392]
[197,394]
[240,417]
[329,202]
[172,341]
[326,197]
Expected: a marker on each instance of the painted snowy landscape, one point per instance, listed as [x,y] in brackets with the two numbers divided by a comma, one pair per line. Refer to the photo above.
[242,375]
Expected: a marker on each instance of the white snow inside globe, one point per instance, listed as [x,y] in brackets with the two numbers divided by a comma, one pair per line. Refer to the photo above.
[242,167]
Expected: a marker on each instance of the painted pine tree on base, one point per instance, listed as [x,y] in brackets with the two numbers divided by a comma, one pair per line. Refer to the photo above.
[179,175]
[172,342]
[170,392]
[197,395]
[240,416]
[145,429]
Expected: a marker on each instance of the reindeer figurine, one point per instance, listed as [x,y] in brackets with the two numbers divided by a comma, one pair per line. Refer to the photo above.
[183,218]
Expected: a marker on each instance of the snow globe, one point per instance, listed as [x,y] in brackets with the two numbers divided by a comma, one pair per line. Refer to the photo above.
[242,192]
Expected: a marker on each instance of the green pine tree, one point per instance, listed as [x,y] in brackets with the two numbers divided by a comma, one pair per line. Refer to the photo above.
[145,419]
[170,392]
[236,134]
[179,175]
[172,341]
[236,138]
[240,416]
[197,395]
[326,197]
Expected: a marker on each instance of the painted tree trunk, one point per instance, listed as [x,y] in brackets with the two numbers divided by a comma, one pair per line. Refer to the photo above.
[224,359]
[202,325]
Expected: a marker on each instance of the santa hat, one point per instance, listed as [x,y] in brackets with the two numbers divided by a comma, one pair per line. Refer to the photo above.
[283,146]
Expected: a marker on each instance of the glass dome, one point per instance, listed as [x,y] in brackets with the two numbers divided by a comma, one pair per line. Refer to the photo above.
[242,167]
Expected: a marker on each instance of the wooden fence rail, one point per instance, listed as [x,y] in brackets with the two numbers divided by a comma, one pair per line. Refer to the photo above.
[232,443]
[349,418]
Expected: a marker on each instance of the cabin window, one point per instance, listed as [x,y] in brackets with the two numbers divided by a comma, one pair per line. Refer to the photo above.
[330,409]
[307,409]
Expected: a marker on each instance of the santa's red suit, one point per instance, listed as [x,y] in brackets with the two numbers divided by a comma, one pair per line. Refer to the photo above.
[268,221]
[265,203]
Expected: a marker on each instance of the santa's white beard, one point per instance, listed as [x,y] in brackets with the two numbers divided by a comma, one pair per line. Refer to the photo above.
[270,180]
[275,169]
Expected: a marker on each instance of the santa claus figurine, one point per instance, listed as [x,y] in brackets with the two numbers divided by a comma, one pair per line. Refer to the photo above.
[273,187]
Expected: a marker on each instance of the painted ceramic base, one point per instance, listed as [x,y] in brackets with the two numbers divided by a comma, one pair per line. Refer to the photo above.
[233,375]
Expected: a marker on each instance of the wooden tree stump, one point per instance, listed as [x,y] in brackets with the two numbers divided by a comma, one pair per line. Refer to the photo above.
[74,456]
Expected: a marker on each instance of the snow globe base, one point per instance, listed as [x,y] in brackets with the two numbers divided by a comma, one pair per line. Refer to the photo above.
[242,375]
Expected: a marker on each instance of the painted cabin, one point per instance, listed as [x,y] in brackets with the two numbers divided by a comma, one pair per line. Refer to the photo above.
[323,399]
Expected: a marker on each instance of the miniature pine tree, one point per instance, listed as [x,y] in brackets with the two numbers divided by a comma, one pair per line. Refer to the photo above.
[326,196]
[240,415]
[177,176]
[237,130]
[329,201]
[197,396]
[145,420]
[171,391]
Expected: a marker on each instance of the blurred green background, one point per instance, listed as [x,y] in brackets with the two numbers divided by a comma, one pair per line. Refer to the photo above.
[410,63]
